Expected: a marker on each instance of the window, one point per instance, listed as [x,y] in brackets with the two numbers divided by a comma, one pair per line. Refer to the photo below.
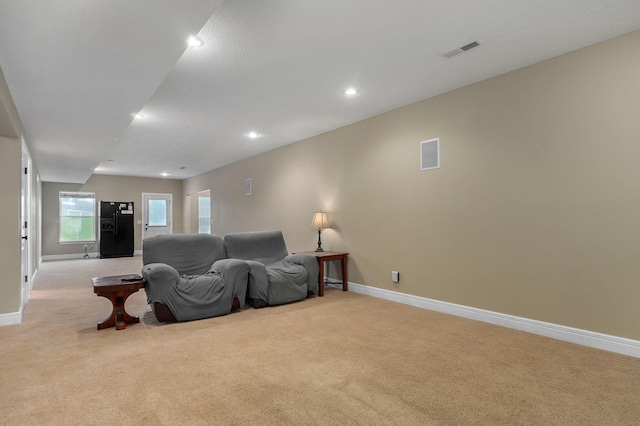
[157,213]
[204,215]
[77,217]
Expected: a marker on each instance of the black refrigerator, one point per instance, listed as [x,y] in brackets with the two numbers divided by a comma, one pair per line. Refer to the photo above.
[116,229]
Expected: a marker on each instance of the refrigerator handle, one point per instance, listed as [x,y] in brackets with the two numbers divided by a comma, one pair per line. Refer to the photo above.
[115,224]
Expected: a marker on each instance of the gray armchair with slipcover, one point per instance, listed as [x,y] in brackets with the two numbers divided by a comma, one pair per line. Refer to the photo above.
[188,277]
[275,276]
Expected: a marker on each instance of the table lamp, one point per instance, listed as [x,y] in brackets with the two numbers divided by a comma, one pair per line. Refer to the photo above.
[320,222]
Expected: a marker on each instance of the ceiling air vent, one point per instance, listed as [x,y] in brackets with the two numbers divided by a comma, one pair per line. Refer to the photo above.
[464,48]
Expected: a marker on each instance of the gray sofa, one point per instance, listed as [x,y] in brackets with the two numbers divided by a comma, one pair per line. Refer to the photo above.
[195,276]
[188,277]
[275,276]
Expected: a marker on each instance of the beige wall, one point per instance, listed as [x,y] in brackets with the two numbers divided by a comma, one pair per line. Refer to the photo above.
[535,211]
[107,188]
[10,278]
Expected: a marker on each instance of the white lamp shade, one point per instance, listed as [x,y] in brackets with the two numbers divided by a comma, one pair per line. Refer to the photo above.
[320,221]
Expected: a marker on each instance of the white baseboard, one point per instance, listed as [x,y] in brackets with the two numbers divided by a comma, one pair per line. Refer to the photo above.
[10,318]
[50,257]
[592,339]
[92,255]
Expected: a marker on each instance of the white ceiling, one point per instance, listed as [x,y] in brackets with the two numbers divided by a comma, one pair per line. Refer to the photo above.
[77,70]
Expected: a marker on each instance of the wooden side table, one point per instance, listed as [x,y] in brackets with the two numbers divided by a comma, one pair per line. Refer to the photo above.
[118,288]
[326,256]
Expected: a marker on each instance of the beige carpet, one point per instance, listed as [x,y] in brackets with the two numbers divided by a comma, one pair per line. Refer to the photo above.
[344,359]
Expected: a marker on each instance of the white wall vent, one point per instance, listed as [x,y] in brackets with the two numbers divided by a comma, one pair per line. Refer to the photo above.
[247,187]
[430,154]
[468,46]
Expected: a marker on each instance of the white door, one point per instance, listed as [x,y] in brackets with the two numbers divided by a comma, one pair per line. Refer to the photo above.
[25,225]
[156,214]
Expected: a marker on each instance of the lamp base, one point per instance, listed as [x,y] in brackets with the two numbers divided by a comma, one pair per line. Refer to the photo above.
[319,241]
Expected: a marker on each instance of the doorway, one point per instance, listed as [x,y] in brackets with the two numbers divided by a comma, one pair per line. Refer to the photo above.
[199,212]
[157,217]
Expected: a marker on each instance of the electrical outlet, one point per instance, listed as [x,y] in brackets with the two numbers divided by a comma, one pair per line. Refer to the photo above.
[395,276]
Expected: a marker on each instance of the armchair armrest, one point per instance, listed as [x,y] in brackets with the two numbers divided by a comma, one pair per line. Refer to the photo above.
[160,279]
[310,263]
[258,287]
[225,265]
[234,272]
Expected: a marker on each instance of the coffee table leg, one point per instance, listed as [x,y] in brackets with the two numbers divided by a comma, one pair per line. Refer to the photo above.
[119,317]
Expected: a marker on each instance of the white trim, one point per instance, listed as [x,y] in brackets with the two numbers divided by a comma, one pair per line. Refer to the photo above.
[12,318]
[92,255]
[33,278]
[50,257]
[588,338]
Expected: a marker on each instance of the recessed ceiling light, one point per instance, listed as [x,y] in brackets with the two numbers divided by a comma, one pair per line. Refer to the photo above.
[138,115]
[252,135]
[350,91]
[165,174]
[194,41]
